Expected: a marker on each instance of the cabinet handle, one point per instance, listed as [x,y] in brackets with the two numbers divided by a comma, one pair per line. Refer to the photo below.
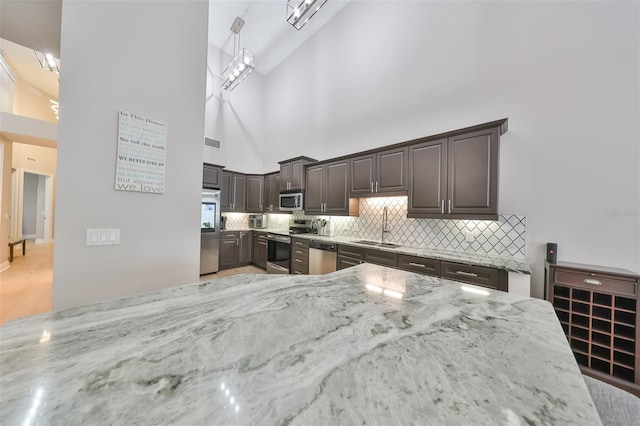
[263,244]
[298,260]
[442,208]
[237,242]
[417,264]
[592,281]
[376,186]
[297,272]
[449,207]
[372,187]
[298,251]
[468,274]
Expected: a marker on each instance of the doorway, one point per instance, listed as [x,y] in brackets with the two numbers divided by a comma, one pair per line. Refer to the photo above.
[32,205]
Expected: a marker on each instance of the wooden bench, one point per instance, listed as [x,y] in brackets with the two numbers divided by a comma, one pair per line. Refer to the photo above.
[14,242]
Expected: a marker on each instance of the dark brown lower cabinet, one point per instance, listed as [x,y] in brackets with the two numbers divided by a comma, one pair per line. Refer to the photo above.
[598,310]
[349,256]
[259,243]
[228,250]
[299,256]
[235,249]
[478,275]
[379,257]
[420,265]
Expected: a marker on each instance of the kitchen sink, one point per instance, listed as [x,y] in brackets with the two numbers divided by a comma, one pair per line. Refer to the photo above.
[390,245]
[369,243]
[376,243]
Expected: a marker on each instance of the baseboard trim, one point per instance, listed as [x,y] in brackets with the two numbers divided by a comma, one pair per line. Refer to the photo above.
[28,236]
[4,266]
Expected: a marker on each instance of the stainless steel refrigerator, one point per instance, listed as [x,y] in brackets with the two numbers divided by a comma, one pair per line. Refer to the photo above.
[210,231]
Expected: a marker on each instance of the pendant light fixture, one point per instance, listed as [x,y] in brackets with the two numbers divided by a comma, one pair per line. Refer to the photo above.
[300,11]
[243,62]
[47,61]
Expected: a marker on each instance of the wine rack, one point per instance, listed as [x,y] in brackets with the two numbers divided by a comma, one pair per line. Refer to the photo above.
[598,310]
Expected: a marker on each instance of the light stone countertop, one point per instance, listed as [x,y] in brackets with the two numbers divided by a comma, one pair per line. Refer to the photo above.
[510,264]
[365,345]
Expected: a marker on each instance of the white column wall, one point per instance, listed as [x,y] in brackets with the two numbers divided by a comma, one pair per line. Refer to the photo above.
[147,58]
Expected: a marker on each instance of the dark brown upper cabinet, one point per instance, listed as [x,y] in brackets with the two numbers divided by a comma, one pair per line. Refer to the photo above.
[271,192]
[211,176]
[456,177]
[380,173]
[292,174]
[255,194]
[232,192]
[327,189]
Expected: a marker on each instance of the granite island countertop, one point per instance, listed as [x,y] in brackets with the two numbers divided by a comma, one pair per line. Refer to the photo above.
[367,344]
[507,263]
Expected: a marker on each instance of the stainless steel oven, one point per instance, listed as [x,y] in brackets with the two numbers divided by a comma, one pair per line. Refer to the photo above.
[278,254]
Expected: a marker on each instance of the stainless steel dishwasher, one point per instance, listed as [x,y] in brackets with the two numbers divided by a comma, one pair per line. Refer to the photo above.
[322,257]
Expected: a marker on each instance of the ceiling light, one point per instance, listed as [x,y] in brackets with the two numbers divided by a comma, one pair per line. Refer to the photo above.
[48,62]
[243,63]
[300,11]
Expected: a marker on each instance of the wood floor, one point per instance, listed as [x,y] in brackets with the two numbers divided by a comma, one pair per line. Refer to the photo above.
[26,287]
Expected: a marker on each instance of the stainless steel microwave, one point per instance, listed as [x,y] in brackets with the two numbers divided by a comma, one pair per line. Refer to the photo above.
[290,201]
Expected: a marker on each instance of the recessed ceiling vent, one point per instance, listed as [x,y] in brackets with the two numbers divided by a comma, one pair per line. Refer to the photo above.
[212,143]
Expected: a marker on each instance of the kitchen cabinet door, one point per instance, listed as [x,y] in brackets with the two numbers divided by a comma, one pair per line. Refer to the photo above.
[255,194]
[268,203]
[211,176]
[297,175]
[314,194]
[228,257]
[363,174]
[391,170]
[336,188]
[275,192]
[473,174]
[285,175]
[292,173]
[428,178]
[259,248]
[226,192]
[239,193]
[244,247]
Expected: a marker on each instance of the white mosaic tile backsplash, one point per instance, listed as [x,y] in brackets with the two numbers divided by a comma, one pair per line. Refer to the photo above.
[505,237]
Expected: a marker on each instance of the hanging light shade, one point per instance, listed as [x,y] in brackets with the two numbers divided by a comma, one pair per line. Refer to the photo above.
[300,11]
[47,61]
[243,63]
[238,69]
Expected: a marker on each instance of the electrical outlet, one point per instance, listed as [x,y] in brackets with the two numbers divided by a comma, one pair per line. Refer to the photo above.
[468,235]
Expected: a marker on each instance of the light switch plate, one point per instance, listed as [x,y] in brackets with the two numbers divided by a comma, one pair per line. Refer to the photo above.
[102,237]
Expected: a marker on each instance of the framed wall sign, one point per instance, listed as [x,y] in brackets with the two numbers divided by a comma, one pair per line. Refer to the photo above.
[142,153]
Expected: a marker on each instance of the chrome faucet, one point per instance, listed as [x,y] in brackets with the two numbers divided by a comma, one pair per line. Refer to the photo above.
[385,222]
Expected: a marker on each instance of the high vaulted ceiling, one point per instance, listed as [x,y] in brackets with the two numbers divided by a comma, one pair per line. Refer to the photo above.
[35,24]
[266,31]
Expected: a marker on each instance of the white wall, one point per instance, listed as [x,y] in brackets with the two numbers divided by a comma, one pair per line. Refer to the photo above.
[147,58]
[564,73]
[234,118]
[5,201]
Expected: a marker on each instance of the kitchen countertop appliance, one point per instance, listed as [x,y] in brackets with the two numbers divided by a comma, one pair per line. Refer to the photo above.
[322,257]
[209,231]
[257,221]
